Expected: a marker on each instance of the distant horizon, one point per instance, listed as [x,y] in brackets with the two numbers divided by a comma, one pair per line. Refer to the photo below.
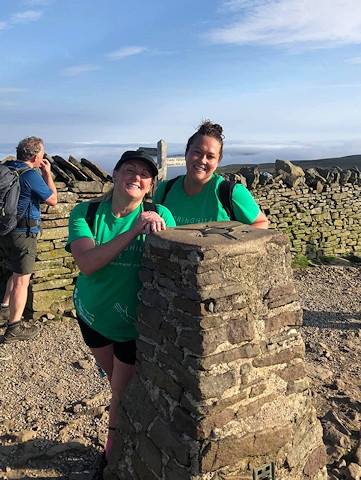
[107,154]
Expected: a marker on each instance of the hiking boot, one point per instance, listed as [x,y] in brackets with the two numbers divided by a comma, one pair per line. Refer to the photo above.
[5,321]
[17,332]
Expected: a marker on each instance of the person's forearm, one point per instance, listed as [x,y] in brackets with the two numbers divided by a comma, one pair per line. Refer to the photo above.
[94,258]
[90,258]
[48,179]
[261,221]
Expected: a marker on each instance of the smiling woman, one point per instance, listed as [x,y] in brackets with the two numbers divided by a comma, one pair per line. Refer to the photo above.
[132,181]
[195,197]
[107,252]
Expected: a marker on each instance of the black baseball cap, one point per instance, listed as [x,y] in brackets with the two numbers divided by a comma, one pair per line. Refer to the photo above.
[138,155]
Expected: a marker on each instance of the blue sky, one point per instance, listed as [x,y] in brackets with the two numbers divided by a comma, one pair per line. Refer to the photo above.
[92,79]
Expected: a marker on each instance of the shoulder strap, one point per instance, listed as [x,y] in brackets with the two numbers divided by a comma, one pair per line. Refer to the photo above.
[225,196]
[149,206]
[19,171]
[168,186]
[22,170]
[90,214]
[93,207]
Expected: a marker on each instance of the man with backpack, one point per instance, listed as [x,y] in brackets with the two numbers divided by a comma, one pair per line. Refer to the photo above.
[20,244]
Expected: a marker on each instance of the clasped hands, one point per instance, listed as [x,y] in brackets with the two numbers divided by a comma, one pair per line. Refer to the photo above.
[151,222]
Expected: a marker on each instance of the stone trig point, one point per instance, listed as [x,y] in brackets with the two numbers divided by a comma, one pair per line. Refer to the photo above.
[220,390]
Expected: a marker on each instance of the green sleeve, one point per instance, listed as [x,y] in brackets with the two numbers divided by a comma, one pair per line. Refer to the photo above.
[245,207]
[166,215]
[77,225]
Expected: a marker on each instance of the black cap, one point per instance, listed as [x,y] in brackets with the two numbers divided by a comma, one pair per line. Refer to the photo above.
[138,155]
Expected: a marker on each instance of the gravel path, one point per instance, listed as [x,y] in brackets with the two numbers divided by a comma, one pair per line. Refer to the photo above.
[53,402]
[53,406]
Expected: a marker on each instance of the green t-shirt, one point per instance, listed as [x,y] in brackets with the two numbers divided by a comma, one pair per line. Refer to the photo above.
[107,299]
[205,206]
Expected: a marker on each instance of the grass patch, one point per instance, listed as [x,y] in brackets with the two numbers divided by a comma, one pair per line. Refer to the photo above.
[300,261]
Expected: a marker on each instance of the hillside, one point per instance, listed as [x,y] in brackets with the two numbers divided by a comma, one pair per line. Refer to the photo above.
[345,163]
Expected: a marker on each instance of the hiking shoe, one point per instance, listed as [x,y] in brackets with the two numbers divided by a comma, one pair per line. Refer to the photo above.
[17,332]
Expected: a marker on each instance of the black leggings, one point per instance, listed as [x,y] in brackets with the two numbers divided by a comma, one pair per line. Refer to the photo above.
[124,351]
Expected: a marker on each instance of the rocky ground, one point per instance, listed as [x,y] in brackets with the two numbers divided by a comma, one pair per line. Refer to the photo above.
[53,406]
[53,402]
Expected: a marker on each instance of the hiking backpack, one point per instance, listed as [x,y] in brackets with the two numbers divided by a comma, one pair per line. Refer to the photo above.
[93,207]
[9,197]
[224,194]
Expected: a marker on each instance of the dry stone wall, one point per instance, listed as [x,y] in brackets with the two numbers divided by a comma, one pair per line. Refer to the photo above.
[318,210]
[318,224]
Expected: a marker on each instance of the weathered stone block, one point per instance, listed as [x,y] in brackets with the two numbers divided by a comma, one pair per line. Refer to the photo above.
[250,350]
[249,409]
[150,456]
[283,356]
[292,372]
[142,413]
[86,187]
[153,299]
[55,283]
[206,342]
[144,350]
[160,378]
[226,451]
[140,470]
[283,319]
[51,272]
[297,386]
[56,253]
[53,233]
[170,441]
[42,301]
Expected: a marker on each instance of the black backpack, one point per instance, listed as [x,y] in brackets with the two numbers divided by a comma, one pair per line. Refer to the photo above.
[225,194]
[9,197]
[93,207]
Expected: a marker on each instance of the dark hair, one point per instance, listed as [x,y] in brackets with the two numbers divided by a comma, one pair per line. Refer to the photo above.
[28,148]
[208,129]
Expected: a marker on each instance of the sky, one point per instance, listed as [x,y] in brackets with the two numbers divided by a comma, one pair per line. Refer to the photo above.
[93,79]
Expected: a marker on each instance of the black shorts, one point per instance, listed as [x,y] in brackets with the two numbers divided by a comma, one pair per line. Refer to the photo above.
[124,351]
[20,250]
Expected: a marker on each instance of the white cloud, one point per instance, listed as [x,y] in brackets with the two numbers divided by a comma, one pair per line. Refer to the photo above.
[125,52]
[355,60]
[39,2]
[3,25]
[27,16]
[79,69]
[308,23]
[6,90]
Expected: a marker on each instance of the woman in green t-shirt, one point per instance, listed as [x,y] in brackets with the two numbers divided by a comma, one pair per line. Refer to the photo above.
[107,251]
[194,197]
